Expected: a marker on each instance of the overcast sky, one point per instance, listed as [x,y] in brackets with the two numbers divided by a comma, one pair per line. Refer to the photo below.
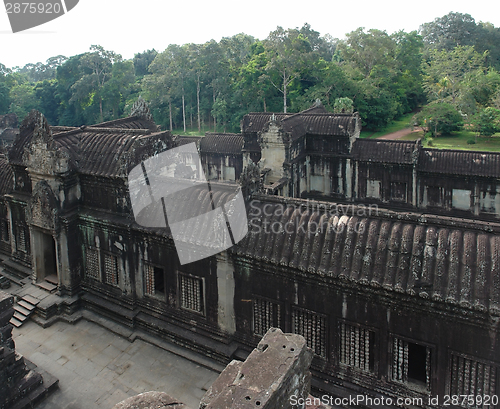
[128,27]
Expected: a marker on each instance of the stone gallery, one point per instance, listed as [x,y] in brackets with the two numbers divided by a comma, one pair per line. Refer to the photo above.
[383,255]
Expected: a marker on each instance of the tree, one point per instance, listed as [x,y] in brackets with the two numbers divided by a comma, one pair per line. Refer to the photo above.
[219,111]
[4,90]
[23,100]
[487,121]
[363,51]
[70,111]
[48,100]
[439,118]
[216,72]
[445,71]
[343,105]
[4,70]
[287,52]
[4,99]
[447,32]
[97,66]
[120,85]
[158,91]
[142,61]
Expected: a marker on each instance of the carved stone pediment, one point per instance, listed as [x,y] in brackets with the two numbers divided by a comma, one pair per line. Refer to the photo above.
[43,209]
[271,134]
[41,154]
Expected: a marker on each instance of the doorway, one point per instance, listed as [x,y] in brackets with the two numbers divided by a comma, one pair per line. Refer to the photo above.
[45,255]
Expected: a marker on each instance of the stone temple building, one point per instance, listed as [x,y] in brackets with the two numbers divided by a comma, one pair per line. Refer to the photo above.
[384,255]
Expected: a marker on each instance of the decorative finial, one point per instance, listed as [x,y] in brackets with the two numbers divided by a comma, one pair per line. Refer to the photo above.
[141,109]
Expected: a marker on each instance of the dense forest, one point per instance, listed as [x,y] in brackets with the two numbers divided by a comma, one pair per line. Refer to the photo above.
[448,70]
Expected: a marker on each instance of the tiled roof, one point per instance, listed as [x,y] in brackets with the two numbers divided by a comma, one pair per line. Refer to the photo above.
[255,121]
[445,263]
[184,140]
[320,124]
[223,143]
[314,121]
[384,151]
[460,162]
[6,176]
[110,149]
[131,122]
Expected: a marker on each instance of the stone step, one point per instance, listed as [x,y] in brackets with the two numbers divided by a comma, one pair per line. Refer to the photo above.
[47,286]
[52,279]
[32,300]
[15,322]
[20,309]
[19,316]
[26,305]
[4,282]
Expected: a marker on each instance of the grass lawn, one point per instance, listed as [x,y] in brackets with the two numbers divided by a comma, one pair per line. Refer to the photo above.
[194,131]
[401,123]
[459,141]
[189,132]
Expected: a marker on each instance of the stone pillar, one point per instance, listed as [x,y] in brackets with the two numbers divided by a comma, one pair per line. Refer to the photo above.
[275,371]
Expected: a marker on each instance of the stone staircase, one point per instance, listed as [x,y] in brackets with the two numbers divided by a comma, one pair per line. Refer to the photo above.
[23,310]
[4,282]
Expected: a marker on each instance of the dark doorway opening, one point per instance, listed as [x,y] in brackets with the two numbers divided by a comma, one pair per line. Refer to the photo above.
[47,267]
[159,277]
[417,363]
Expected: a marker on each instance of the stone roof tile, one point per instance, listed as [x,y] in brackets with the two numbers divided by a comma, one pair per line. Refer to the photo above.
[446,263]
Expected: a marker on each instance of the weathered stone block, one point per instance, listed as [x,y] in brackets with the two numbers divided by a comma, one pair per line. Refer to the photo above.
[6,301]
[277,369]
[150,400]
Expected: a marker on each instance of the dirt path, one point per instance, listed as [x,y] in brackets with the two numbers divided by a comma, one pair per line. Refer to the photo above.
[398,134]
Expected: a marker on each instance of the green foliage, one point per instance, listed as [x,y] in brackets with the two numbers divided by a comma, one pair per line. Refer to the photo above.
[439,118]
[23,100]
[48,100]
[471,141]
[446,72]
[142,61]
[288,52]
[487,121]
[4,99]
[446,32]
[456,29]
[343,105]
[219,110]
[211,86]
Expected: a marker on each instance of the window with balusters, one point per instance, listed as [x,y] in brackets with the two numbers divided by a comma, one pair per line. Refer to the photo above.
[471,377]
[266,314]
[356,348]
[411,364]
[92,263]
[312,326]
[191,290]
